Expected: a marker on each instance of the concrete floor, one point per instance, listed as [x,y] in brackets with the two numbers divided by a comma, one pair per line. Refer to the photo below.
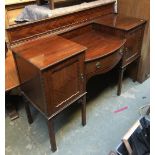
[102,133]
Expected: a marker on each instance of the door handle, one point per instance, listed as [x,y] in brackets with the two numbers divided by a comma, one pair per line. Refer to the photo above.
[82,76]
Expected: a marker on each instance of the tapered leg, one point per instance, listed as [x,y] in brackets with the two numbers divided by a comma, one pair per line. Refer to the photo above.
[28,112]
[135,78]
[52,135]
[120,81]
[84,111]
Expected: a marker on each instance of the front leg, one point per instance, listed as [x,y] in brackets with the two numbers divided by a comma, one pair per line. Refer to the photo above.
[121,73]
[28,111]
[52,134]
[83,104]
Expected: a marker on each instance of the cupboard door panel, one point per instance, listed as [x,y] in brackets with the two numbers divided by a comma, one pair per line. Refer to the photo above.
[65,83]
[133,45]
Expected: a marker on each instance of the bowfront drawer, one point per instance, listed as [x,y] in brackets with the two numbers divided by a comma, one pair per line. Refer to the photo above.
[104,64]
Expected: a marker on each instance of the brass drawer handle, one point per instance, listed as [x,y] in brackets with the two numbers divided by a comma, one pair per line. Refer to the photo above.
[98,65]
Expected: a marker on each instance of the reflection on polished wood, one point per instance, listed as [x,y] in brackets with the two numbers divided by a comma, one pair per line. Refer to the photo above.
[48,51]
[120,22]
[11,78]
[99,44]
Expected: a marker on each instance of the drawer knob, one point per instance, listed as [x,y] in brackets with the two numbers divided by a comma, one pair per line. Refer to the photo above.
[98,64]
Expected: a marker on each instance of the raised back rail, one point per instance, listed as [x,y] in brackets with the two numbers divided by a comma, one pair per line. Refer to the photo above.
[27,31]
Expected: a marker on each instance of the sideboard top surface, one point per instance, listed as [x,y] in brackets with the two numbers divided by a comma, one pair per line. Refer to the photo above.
[120,22]
[99,44]
[48,51]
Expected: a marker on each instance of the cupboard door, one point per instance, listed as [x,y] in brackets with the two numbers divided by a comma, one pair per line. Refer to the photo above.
[65,83]
[133,45]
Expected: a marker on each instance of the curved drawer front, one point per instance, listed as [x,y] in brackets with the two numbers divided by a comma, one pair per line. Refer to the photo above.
[103,64]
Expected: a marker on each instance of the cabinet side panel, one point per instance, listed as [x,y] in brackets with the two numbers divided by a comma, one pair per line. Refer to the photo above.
[31,84]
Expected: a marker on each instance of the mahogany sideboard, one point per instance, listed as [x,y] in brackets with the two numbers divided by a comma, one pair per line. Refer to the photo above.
[55,57]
